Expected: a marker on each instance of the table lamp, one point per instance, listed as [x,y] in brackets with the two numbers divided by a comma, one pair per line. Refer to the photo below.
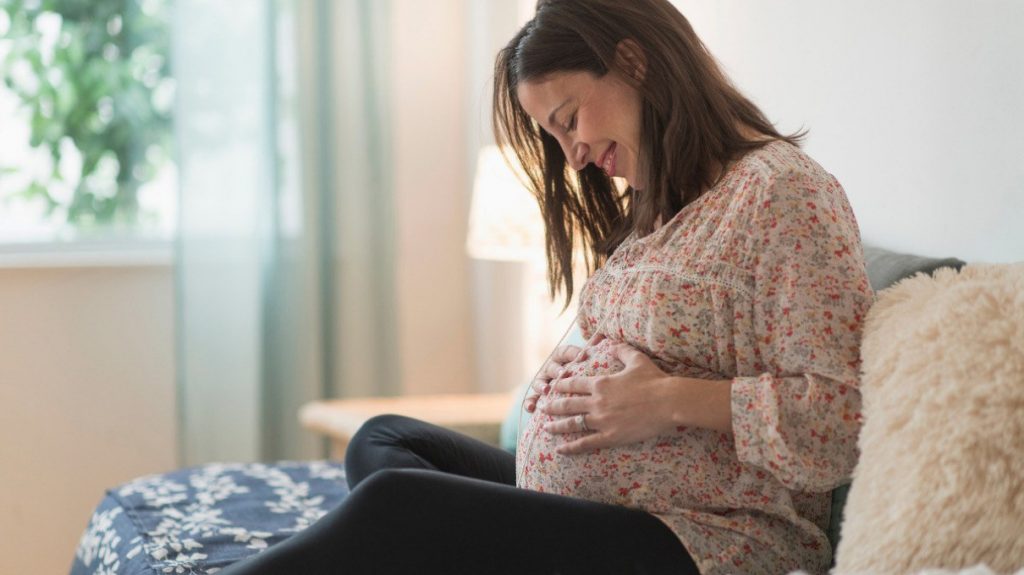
[504,221]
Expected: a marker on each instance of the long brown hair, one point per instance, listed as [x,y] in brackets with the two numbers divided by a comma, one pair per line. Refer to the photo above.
[690,127]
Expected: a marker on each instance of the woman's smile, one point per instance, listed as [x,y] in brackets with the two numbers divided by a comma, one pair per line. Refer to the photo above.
[607,160]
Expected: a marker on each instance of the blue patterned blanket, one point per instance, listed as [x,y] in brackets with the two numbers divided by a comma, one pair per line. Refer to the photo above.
[200,520]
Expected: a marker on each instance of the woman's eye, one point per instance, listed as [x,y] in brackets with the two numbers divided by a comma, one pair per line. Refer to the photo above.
[572,123]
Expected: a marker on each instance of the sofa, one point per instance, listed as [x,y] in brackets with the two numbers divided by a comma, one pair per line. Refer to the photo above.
[201,519]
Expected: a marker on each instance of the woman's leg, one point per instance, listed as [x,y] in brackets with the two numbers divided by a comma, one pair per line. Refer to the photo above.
[397,442]
[403,521]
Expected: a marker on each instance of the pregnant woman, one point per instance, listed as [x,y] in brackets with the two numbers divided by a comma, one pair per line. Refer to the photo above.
[715,405]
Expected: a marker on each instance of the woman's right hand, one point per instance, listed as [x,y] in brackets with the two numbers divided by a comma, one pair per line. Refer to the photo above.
[551,370]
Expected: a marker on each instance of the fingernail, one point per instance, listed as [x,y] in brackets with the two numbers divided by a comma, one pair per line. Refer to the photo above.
[547,387]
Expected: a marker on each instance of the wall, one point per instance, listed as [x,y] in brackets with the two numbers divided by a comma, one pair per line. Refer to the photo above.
[914,105]
[87,389]
[428,69]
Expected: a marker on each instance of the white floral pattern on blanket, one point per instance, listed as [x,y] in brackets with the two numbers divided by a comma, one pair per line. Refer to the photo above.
[199,520]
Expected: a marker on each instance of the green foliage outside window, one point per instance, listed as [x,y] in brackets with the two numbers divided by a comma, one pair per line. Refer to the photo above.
[95,75]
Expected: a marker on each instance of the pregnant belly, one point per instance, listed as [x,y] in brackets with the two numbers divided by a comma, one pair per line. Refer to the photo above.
[654,475]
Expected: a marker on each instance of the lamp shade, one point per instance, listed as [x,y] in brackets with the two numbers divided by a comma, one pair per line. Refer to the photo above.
[504,222]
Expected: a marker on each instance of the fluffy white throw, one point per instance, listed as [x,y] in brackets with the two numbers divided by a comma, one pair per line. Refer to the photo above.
[940,478]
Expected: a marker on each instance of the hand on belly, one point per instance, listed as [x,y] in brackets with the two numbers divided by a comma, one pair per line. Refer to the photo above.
[620,475]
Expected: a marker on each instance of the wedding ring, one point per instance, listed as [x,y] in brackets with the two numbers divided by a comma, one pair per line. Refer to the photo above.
[581,419]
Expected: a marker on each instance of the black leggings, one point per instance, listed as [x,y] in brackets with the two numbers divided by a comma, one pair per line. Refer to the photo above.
[425,499]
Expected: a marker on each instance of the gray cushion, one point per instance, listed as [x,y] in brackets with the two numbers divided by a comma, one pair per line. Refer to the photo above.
[886,268]
[835,521]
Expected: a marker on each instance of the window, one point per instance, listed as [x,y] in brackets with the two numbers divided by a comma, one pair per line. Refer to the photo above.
[86,104]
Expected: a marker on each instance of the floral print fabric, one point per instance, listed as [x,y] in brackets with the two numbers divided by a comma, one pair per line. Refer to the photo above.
[760,281]
[200,520]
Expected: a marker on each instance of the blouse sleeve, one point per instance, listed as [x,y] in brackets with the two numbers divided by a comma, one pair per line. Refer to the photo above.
[799,418]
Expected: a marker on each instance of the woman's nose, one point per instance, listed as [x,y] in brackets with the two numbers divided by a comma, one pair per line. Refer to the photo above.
[577,155]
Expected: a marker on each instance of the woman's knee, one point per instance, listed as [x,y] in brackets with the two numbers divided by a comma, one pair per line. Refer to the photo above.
[376,429]
[364,455]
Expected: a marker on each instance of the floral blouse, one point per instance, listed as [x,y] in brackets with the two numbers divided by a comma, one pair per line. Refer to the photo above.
[762,281]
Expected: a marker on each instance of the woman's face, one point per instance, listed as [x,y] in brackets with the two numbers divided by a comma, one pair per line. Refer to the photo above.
[595,119]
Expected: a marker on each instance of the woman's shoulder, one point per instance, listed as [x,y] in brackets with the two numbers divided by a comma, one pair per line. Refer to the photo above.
[780,186]
[780,159]
[776,170]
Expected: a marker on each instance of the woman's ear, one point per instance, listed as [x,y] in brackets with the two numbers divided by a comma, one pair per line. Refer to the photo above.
[631,60]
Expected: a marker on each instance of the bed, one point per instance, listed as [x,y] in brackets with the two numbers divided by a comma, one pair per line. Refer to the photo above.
[201,519]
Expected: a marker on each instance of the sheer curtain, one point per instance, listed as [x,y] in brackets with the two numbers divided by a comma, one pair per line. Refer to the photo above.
[283,198]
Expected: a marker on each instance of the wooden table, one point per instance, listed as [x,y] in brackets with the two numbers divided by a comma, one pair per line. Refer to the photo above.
[477,415]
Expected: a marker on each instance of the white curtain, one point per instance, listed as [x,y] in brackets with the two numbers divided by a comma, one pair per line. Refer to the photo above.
[281,152]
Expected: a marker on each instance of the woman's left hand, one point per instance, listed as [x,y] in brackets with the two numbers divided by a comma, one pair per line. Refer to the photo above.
[632,405]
